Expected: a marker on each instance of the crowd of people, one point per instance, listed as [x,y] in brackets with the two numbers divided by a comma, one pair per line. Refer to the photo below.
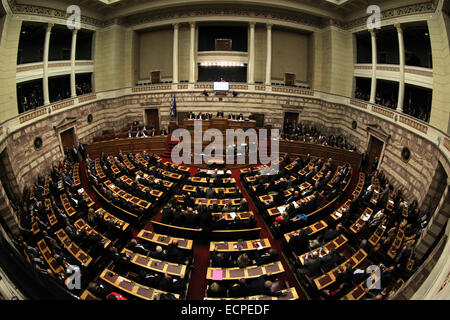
[310,133]
[208,116]
[416,111]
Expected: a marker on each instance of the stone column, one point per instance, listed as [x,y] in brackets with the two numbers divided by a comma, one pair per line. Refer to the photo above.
[175,53]
[401,85]
[45,62]
[192,53]
[269,56]
[251,55]
[373,89]
[72,63]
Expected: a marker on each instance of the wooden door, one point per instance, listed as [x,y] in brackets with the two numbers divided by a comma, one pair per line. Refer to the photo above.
[68,139]
[152,119]
[374,151]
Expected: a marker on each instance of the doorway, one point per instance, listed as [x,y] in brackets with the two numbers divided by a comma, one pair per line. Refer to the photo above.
[68,139]
[290,117]
[374,152]
[152,119]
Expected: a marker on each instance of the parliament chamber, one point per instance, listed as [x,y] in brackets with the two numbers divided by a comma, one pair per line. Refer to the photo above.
[239,150]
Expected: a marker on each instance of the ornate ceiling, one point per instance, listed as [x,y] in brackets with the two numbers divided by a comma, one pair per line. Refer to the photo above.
[316,13]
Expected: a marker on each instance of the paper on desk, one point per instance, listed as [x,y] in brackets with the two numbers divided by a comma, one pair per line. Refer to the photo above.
[282,209]
[217,275]
[338,214]
[296,205]
[80,191]
[233,215]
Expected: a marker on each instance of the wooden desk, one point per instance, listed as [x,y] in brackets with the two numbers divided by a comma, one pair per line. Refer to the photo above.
[130,214]
[290,294]
[98,169]
[339,155]
[235,246]
[157,144]
[328,278]
[314,228]
[336,215]
[46,253]
[80,224]
[118,223]
[333,244]
[360,290]
[76,175]
[67,206]
[195,189]
[174,269]
[359,185]
[174,166]
[87,295]
[203,180]
[279,210]
[153,192]
[70,246]
[130,287]
[239,215]
[396,244]
[246,273]
[378,233]
[86,197]
[361,221]
[46,191]
[164,240]
[51,216]
[126,196]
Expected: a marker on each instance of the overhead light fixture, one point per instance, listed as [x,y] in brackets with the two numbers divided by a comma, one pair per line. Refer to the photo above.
[222,64]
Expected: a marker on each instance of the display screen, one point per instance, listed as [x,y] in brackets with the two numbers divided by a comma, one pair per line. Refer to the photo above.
[221,86]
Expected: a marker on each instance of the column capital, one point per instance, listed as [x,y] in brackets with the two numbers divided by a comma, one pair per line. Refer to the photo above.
[252,24]
[192,24]
[269,26]
[75,31]
[175,25]
[372,32]
[49,27]
[398,26]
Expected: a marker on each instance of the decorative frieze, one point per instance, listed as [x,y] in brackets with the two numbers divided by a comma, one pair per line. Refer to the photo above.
[293,90]
[414,124]
[63,105]
[420,72]
[32,115]
[383,112]
[357,103]
[87,98]
[152,88]
[29,68]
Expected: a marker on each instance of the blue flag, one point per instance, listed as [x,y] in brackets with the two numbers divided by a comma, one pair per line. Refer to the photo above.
[173,107]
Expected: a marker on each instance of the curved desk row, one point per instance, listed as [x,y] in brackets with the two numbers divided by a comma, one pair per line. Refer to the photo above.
[199,234]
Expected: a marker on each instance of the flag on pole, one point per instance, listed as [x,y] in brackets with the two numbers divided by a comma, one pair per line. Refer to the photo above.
[173,107]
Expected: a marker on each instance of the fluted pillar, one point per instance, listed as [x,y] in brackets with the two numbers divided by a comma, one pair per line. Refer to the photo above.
[175,53]
[73,89]
[192,53]
[45,63]
[373,88]
[269,55]
[401,85]
[251,54]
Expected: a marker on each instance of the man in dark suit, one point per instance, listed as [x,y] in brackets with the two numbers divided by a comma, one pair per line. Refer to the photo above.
[262,286]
